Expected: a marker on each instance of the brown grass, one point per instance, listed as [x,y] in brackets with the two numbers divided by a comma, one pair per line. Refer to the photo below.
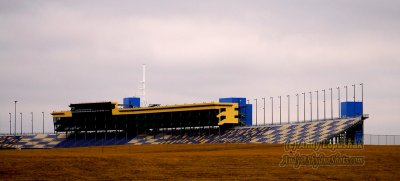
[182,162]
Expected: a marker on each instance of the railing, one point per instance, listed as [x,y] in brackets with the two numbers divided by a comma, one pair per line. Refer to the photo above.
[302,121]
[25,134]
[370,139]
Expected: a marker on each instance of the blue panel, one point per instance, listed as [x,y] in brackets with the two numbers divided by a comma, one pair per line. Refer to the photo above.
[131,102]
[358,137]
[249,115]
[245,110]
[351,109]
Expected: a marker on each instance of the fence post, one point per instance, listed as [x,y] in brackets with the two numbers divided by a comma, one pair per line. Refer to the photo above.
[370,139]
[394,138]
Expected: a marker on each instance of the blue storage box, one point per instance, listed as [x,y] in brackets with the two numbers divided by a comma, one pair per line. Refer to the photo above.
[131,102]
[351,109]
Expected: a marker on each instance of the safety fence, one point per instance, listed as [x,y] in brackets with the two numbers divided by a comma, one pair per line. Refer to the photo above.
[370,139]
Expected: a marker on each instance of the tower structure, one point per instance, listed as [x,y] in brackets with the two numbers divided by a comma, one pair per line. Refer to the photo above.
[143,101]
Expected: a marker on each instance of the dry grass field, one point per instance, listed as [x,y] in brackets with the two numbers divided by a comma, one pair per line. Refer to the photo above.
[188,162]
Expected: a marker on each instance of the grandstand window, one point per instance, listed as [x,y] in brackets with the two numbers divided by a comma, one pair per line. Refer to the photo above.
[223,109]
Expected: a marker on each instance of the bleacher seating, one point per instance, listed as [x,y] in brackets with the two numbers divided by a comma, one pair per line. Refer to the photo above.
[40,141]
[7,142]
[308,132]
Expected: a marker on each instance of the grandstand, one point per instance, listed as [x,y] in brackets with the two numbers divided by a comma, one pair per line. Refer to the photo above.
[331,131]
[227,121]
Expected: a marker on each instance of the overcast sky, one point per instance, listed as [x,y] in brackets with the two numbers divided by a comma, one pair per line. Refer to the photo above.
[56,53]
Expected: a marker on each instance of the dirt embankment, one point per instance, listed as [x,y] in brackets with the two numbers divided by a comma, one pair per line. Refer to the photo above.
[182,162]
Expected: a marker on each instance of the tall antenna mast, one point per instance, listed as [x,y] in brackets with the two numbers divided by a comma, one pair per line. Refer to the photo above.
[143,101]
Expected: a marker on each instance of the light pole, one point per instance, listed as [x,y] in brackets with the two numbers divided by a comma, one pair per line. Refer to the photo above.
[317,107]
[264,108]
[362,95]
[288,107]
[256,111]
[280,109]
[10,123]
[32,121]
[272,110]
[331,103]
[43,121]
[310,106]
[354,97]
[304,106]
[362,102]
[21,122]
[346,93]
[15,117]
[324,105]
[338,89]
[362,92]
[297,95]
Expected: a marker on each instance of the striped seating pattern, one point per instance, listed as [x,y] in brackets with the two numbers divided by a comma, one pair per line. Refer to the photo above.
[309,132]
[40,141]
[9,141]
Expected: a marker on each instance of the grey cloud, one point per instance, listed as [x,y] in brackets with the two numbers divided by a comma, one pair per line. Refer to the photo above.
[55,53]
